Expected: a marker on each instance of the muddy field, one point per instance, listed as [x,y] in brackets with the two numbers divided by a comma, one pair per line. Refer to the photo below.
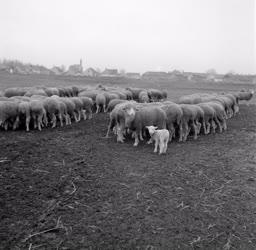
[70,188]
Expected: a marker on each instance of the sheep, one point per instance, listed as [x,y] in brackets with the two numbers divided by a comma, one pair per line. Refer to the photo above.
[71,107]
[143,96]
[156,95]
[87,106]
[24,110]
[192,115]
[221,116]
[137,119]
[89,93]
[117,119]
[52,107]
[9,92]
[52,91]
[78,108]
[128,94]
[35,91]
[234,103]
[160,137]
[209,117]
[38,114]
[101,102]
[113,103]
[245,95]
[9,114]
[174,115]
[75,90]
[62,111]
[135,92]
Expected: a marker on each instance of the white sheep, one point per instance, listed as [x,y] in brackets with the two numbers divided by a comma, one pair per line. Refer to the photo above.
[161,138]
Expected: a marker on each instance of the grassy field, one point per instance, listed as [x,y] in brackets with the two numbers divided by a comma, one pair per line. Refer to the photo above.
[70,188]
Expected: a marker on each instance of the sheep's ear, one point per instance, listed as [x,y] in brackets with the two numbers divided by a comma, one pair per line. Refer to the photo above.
[156,127]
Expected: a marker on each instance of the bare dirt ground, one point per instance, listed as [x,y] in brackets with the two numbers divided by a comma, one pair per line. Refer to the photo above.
[70,188]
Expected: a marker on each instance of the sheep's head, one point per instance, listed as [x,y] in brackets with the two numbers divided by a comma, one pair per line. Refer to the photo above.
[151,129]
[129,116]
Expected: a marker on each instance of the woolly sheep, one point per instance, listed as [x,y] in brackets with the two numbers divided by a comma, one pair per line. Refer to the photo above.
[137,119]
[101,102]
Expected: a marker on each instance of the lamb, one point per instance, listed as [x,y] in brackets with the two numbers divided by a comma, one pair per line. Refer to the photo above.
[160,137]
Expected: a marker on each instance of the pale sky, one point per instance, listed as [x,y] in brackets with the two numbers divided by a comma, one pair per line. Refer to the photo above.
[135,35]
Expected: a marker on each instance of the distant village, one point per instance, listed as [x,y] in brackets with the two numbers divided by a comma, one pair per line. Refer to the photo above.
[17,67]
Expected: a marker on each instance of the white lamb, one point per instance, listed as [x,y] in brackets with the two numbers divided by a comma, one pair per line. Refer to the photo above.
[161,138]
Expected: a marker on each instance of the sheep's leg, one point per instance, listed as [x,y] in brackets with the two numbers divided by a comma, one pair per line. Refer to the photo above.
[136,142]
[104,108]
[156,146]
[204,127]
[161,147]
[186,132]
[120,136]
[27,123]
[172,132]
[90,114]
[218,124]
[6,125]
[39,122]
[53,120]
[16,123]
[84,114]
[195,130]
[45,119]
[79,115]
[150,140]
[61,119]
[97,110]
[34,121]
[207,131]
[180,132]
[166,145]
[141,137]
[66,119]
[224,124]
[110,125]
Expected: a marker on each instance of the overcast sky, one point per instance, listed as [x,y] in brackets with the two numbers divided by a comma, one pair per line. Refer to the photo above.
[136,35]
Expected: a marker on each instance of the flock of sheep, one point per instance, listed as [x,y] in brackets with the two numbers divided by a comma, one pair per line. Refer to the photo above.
[39,107]
[134,112]
[192,114]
